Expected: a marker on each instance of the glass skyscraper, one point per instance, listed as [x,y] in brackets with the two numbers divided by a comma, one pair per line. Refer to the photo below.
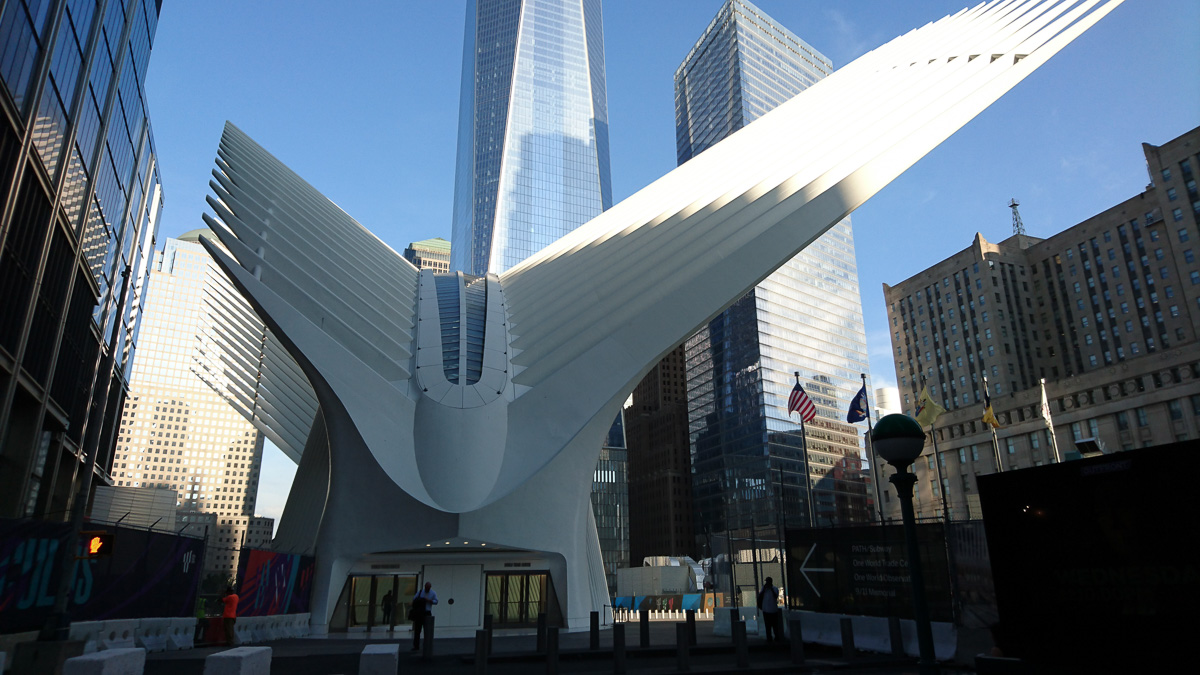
[80,198]
[807,316]
[533,130]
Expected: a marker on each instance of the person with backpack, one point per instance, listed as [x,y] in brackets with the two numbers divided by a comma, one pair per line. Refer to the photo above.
[768,604]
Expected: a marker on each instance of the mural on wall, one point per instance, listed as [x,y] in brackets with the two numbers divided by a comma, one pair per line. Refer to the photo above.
[148,574]
[270,582]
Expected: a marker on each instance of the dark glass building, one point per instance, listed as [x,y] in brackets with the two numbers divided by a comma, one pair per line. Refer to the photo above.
[747,452]
[81,196]
[610,503]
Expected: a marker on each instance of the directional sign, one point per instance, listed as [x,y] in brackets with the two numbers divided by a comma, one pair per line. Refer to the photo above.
[805,570]
[865,571]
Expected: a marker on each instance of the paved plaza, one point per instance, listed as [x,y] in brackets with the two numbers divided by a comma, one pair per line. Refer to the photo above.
[516,652]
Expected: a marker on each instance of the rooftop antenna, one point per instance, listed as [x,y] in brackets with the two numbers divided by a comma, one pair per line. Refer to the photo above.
[1018,226]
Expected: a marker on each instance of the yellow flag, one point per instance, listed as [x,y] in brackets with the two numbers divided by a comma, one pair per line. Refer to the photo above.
[927,409]
[989,415]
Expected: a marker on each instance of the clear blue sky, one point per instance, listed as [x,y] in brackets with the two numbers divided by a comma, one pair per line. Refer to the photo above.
[361,99]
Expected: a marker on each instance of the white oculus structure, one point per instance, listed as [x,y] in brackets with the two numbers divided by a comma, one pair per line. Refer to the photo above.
[464,414]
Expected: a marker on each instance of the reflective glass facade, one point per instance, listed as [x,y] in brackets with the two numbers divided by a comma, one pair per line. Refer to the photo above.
[80,197]
[807,316]
[533,130]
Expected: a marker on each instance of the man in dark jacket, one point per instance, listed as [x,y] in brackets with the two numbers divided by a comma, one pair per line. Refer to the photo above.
[421,603]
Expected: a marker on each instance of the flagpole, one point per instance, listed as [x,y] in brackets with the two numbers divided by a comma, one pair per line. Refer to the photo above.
[807,473]
[876,470]
[995,440]
[781,532]
[1050,423]
[937,461]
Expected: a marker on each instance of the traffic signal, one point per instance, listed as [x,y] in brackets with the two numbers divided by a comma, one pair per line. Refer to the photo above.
[97,544]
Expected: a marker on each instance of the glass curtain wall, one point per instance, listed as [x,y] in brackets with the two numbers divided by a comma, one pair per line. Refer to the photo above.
[747,454]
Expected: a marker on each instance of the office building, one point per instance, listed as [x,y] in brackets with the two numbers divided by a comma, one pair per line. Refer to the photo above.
[519,375]
[80,198]
[533,130]
[660,471]
[177,432]
[806,316]
[429,254]
[1106,311]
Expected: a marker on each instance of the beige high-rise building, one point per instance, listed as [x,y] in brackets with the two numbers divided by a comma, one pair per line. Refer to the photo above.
[1107,312]
[429,254]
[177,432]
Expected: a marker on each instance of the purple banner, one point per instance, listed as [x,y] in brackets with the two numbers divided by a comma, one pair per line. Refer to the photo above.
[149,574]
[272,583]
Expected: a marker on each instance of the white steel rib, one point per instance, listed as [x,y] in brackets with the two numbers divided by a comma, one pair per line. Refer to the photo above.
[518,377]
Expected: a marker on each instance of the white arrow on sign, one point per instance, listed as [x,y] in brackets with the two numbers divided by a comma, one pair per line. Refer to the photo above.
[805,570]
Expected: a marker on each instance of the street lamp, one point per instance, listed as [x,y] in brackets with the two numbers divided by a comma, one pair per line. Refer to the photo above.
[898,439]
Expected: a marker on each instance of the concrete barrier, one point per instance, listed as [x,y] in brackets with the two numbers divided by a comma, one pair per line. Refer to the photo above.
[118,634]
[296,625]
[239,661]
[181,634]
[87,632]
[379,659]
[721,627]
[302,625]
[246,629]
[872,634]
[108,662]
[151,634]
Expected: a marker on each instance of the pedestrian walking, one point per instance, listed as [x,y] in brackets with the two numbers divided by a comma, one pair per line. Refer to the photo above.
[768,604]
[421,604]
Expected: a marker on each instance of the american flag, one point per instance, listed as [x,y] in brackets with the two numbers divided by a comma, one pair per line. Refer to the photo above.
[801,403]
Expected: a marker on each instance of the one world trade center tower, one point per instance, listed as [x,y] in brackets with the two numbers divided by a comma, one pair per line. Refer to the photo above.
[533,130]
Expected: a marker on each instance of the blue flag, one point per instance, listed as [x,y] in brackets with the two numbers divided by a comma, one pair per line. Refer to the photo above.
[858,407]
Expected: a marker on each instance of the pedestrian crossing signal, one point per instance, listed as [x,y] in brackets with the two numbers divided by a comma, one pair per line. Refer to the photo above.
[97,544]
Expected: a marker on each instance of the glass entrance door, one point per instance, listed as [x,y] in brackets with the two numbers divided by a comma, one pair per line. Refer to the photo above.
[374,602]
[515,598]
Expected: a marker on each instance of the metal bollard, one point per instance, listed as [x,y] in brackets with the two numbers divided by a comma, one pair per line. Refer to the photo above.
[541,633]
[897,635]
[594,642]
[682,652]
[847,639]
[487,625]
[739,644]
[691,626]
[644,626]
[619,648]
[797,641]
[427,646]
[552,650]
[481,651]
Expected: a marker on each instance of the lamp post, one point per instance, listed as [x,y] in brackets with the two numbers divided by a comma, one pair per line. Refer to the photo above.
[898,439]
